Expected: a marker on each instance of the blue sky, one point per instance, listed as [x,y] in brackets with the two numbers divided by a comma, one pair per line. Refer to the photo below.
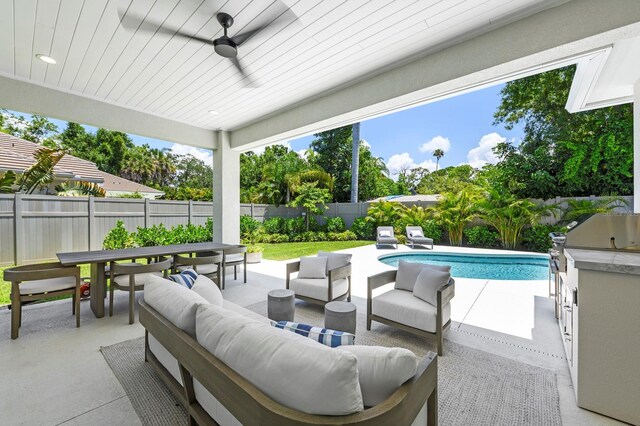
[461,126]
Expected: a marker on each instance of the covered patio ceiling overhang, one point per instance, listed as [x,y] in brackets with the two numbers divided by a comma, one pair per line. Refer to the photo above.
[334,64]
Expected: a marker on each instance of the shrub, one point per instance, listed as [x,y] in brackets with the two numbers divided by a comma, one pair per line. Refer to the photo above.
[274,225]
[335,224]
[118,238]
[363,228]
[432,230]
[157,235]
[248,226]
[481,236]
[279,238]
[537,238]
[342,236]
[294,225]
[402,239]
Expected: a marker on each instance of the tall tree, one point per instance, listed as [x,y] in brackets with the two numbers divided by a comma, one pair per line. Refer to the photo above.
[333,155]
[584,153]
[438,153]
[355,161]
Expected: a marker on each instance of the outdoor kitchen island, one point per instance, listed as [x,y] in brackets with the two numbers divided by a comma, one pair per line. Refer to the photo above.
[600,322]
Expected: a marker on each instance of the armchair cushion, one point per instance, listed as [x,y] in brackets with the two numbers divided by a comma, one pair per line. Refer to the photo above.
[382,370]
[140,279]
[202,269]
[208,290]
[335,260]
[317,288]
[313,267]
[403,307]
[428,282]
[407,274]
[47,285]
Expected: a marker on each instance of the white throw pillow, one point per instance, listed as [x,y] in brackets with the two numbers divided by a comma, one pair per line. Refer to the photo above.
[313,267]
[416,234]
[407,274]
[384,233]
[428,282]
[335,260]
[176,303]
[382,370]
[206,288]
[291,369]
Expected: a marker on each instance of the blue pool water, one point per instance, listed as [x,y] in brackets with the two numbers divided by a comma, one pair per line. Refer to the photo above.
[485,266]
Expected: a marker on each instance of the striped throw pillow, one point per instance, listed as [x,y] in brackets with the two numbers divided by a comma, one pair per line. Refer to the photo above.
[185,278]
[331,338]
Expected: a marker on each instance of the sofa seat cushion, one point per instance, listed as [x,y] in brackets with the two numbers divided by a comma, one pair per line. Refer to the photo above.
[403,307]
[201,269]
[317,288]
[47,285]
[292,370]
[382,370]
[176,303]
[140,279]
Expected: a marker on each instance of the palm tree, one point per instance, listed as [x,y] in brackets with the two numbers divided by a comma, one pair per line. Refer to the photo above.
[384,213]
[80,189]
[7,179]
[510,215]
[454,210]
[438,153]
[40,174]
[577,208]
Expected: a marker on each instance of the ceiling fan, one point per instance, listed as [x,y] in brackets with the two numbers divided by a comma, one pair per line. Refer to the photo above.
[224,46]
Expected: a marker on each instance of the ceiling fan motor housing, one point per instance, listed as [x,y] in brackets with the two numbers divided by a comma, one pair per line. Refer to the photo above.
[225,47]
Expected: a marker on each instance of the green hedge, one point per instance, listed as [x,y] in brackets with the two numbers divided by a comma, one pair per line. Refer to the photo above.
[157,235]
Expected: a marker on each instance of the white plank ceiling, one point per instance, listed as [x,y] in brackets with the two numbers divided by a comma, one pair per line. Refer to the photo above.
[327,44]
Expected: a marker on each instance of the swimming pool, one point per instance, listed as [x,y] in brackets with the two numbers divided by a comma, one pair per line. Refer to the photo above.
[482,266]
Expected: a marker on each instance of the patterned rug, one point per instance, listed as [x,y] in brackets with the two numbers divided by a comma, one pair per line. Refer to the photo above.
[474,387]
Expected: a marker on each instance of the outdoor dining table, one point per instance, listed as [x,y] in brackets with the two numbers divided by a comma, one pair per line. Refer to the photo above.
[100,258]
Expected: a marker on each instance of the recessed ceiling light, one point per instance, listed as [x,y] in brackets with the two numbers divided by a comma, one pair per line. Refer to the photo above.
[45,58]
[212,112]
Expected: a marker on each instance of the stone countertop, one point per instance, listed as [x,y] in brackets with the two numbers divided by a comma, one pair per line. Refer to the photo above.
[606,261]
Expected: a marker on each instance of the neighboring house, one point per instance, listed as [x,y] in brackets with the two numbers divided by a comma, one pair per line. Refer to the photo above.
[16,154]
[117,187]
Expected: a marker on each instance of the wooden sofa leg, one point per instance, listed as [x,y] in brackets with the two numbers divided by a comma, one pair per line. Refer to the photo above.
[432,408]
[440,340]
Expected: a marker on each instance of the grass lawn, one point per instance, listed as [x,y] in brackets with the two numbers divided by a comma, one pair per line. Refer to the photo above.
[286,251]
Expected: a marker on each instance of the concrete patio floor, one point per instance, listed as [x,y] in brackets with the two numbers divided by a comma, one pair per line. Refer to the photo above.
[55,374]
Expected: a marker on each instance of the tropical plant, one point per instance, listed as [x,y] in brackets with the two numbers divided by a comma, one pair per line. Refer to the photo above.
[80,189]
[510,215]
[7,180]
[248,226]
[40,174]
[384,213]
[335,224]
[311,198]
[537,238]
[576,208]
[481,236]
[454,211]
[363,228]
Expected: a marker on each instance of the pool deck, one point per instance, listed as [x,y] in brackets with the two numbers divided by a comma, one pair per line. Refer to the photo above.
[55,374]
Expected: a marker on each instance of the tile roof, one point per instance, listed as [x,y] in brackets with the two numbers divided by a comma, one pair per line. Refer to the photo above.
[116,183]
[17,154]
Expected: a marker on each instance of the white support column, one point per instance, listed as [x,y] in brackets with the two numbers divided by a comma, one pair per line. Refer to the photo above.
[226,192]
[636,147]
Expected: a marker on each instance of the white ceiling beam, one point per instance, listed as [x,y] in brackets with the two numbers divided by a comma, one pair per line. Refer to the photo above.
[550,38]
[26,97]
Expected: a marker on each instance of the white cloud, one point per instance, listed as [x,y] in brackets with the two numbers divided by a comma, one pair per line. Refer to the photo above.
[303,153]
[438,142]
[401,162]
[483,153]
[201,154]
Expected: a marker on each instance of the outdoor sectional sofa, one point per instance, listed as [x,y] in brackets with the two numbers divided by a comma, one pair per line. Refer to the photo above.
[205,351]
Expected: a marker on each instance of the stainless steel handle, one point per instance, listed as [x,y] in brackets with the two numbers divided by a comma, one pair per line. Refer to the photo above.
[567,307]
[567,337]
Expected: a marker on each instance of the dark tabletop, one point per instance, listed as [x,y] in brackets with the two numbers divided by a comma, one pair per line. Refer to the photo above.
[104,256]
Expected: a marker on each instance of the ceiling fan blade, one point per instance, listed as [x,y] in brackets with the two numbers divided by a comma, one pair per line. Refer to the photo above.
[248,81]
[281,17]
[134,22]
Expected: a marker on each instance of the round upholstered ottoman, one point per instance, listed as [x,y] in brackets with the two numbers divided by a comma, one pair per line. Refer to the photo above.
[340,316]
[281,305]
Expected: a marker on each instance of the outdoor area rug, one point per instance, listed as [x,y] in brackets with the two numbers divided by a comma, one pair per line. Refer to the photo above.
[474,387]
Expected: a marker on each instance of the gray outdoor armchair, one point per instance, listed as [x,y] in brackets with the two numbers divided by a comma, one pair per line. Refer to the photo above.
[335,286]
[401,309]
[415,235]
[385,236]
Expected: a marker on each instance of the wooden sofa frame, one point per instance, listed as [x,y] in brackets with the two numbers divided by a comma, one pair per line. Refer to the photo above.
[249,405]
[444,296]
[333,275]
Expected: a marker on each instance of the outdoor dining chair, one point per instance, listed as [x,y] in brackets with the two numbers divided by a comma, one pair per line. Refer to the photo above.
[42,281]
[208,264]
[132,277]
[234,257]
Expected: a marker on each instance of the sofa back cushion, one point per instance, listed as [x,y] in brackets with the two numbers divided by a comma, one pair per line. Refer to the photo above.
[206,288]
[291,369]
[176,303]
[382,370]
[335,260]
